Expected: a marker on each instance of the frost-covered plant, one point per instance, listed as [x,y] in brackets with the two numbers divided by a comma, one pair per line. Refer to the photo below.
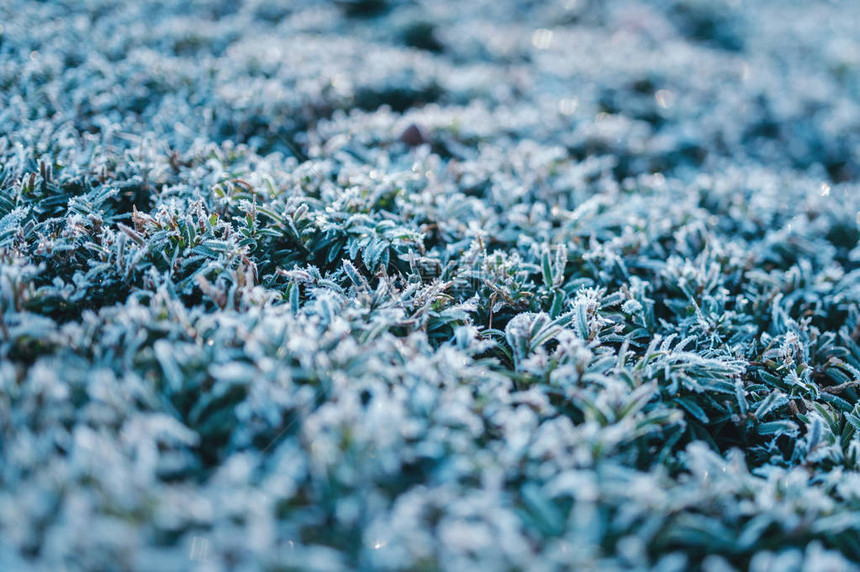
[387,285]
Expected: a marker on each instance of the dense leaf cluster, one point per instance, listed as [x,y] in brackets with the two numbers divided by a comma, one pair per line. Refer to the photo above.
[599,310]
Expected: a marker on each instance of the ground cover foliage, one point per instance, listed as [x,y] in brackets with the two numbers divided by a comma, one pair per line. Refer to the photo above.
[429,286]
